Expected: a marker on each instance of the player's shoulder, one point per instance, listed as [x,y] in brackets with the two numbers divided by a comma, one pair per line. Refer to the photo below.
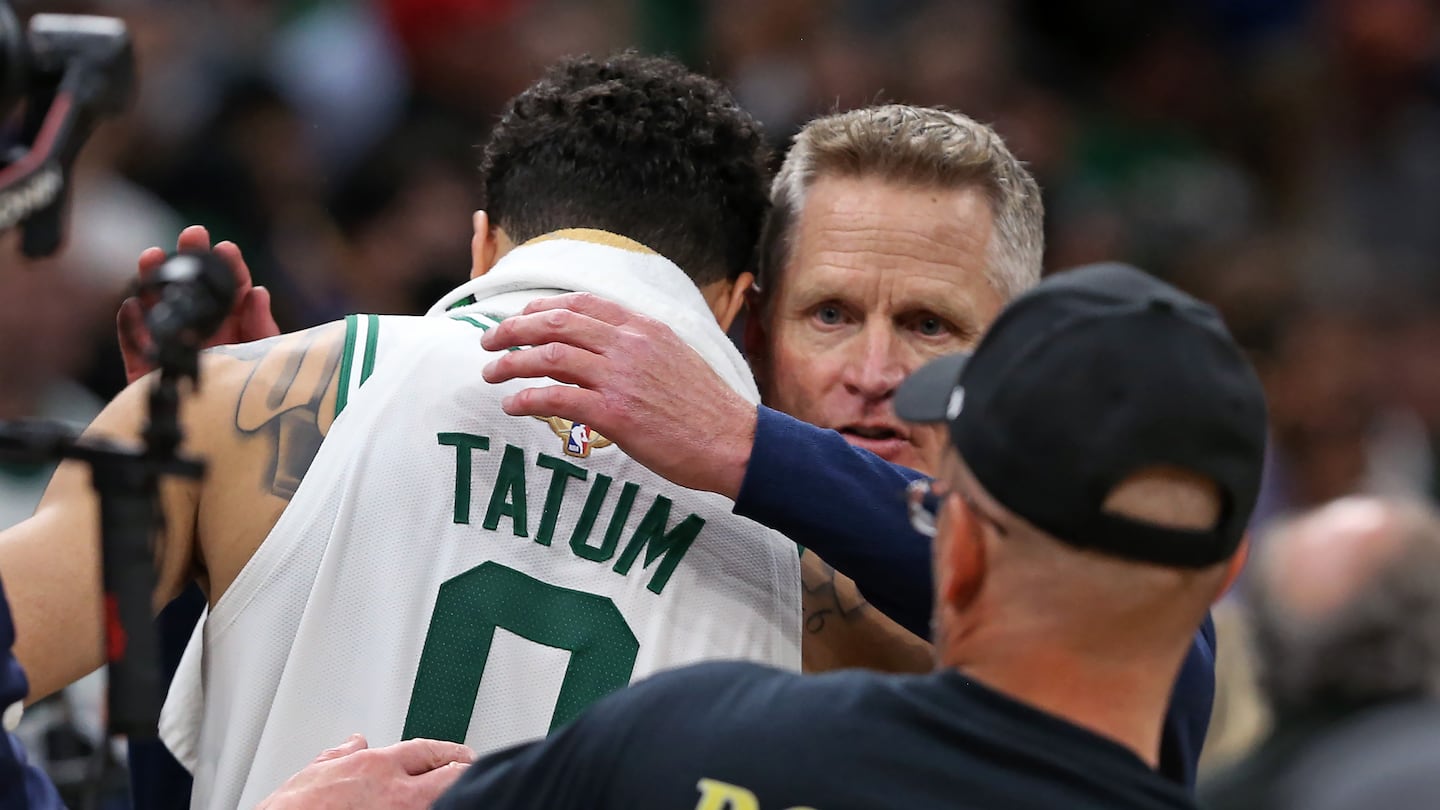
[449,329]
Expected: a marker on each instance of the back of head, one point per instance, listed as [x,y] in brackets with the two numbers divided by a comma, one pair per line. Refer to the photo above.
[1094,600]
[1347,612]
[638,146]
[921,146]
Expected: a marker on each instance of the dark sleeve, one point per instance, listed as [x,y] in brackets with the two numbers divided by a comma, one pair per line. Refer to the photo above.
[568,770]
[1188,717]
[157,780]
[845,504]
[22,785]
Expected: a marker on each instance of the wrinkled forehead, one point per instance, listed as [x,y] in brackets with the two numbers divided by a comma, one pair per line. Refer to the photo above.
[864,237]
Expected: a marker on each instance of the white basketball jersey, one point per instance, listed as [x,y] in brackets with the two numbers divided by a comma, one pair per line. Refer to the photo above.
[448,571]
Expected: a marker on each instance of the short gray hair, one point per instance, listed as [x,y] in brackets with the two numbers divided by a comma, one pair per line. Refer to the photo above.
[926,146]
[1383,642]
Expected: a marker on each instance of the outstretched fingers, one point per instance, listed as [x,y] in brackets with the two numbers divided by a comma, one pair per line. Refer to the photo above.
[558,361]
[194,238]
[567,402]
[229,253]
[553,326]
[601,309]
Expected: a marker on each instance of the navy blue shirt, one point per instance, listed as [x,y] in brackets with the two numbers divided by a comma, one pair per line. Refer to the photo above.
[22,785]
[848,505]
[157,780]
[771,740]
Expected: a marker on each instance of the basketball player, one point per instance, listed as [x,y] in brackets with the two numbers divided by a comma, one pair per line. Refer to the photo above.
[383,550]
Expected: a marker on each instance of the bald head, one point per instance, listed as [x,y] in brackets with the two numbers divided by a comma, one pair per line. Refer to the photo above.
[1346,604]
[1087,598]
[1326,558]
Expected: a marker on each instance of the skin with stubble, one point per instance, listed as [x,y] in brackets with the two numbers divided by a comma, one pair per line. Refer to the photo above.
[883,276]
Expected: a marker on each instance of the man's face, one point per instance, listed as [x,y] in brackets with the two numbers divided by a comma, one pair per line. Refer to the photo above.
[882,277]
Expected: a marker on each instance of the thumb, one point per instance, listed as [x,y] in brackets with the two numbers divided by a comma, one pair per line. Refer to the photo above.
[134,341]
[355,742]
[419,756]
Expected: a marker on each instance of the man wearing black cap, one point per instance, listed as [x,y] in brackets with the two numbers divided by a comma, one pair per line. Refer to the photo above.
[1106,444]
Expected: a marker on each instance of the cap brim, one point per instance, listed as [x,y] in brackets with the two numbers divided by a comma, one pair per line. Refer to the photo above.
[924,397]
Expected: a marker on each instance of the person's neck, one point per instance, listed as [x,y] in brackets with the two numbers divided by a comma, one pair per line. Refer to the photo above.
[1122,697]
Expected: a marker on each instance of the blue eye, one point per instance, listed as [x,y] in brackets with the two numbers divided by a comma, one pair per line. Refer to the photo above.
[931,327]
[829,315]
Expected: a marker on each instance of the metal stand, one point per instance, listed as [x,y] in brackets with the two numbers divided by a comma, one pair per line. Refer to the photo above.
[126,478]
[192,294]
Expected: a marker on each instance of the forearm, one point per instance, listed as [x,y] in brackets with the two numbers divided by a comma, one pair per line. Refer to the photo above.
[845,504]
[842,630]
[51,568]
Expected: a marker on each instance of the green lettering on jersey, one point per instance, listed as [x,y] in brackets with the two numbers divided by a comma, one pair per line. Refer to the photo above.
[580,537]
[463,443]
[618,519]
[611,541]
[508,497]
[652,537]
[561,471]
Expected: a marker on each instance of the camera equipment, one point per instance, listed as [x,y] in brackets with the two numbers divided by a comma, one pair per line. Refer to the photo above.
[194,291]
[69,71]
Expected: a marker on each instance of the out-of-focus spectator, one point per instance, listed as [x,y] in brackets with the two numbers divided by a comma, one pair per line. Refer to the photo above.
[1340,423]
[404,216]
[1371,145]
[1332,432]
[1347,623]
[1240,717]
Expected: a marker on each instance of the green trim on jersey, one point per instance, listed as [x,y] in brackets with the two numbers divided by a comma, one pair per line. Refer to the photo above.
[467,319]
[352,326]
[482,326]
[371,341]
[472,320]
[463,302]
[347,357]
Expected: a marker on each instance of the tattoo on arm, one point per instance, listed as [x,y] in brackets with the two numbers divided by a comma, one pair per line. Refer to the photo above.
[281,399]
[826,597]
[246,351]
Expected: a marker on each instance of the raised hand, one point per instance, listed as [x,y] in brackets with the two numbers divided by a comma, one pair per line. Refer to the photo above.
[249,319]
[639,385]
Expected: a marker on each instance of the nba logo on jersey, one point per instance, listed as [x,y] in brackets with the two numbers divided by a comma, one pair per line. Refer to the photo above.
[579,442]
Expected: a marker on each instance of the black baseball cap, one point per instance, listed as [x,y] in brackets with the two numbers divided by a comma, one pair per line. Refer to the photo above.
[1096,374]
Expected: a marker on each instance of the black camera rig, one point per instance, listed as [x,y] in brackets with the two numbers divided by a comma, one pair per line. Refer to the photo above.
[68,71]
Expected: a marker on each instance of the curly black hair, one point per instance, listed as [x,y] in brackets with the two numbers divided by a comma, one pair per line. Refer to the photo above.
[639,146]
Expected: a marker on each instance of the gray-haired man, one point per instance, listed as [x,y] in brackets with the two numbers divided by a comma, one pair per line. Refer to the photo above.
[896,236]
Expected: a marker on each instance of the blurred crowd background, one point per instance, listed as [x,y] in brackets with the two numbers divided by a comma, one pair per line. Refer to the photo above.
[1279,158]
